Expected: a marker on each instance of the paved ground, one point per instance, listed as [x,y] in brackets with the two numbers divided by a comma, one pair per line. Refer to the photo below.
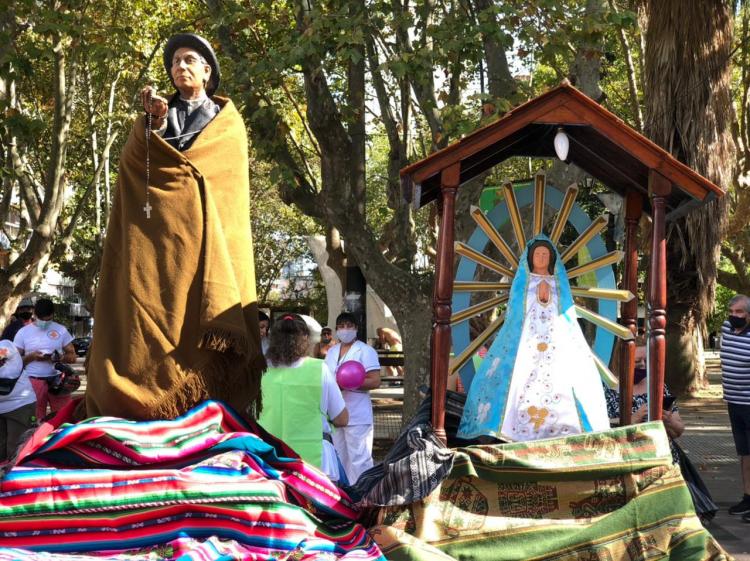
[708,442]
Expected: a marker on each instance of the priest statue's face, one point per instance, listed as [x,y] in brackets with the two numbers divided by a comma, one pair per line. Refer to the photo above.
[190,72]
[540,260]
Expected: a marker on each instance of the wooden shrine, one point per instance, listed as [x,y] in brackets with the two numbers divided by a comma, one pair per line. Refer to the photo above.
[601,144]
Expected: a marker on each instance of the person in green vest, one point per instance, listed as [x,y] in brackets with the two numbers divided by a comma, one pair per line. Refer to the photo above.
[301,399]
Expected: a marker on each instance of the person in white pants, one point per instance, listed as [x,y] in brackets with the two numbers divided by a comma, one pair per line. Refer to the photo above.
[353,443]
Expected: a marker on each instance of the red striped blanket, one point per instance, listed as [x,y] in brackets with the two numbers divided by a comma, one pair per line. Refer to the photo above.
[205,486]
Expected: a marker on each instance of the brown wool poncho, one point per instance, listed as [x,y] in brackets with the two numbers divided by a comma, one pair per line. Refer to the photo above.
[176,319]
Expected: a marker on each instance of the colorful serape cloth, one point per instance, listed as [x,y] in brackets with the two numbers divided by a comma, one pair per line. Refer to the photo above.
[204,486]
[613,495]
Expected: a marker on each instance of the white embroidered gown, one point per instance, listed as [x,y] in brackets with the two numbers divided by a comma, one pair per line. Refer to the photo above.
[554,368]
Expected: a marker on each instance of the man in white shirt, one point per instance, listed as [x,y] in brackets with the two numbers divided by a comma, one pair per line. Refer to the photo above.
[41,344]
[353,442]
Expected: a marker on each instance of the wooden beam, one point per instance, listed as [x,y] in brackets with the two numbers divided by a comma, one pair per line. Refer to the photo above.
[493,235]
[562,215]
[479,286]
[473,347]
[659,187]
[480,258]
[629,313]
[515,214]
[477,309]
[540,184]
[585,237]
[608,259]
[441,331]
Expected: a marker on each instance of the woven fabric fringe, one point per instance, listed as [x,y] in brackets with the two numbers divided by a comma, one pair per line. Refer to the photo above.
[413,468]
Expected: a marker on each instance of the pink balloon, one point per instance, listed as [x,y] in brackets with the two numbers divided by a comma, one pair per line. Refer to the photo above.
[350,375]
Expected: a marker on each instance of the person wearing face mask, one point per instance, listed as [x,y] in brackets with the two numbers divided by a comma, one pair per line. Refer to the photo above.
[23,315]
[673,423]
[353,442]
[735,379]
[41,344]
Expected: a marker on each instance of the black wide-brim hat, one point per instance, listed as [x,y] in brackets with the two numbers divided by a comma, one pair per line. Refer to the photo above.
[203,47]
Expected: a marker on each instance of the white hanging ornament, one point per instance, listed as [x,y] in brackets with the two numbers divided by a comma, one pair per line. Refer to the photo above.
[562,144]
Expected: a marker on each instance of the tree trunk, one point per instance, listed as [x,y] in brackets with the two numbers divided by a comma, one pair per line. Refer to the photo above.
[688,112]
[26,270]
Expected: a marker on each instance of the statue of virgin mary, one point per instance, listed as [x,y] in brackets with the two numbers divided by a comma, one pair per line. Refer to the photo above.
[539,378]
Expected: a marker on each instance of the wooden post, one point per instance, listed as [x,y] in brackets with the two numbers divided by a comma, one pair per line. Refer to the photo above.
[659,187]
[633,210]
[442,294]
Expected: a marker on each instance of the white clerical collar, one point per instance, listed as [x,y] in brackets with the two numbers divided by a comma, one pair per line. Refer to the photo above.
[193,103]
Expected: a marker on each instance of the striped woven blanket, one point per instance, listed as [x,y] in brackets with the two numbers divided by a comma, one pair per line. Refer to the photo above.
[606,496]
[205,486]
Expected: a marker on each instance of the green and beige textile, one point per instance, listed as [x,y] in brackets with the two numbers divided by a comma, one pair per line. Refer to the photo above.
[613,495]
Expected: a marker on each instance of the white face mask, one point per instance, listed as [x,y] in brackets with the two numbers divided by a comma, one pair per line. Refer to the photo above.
[346,335]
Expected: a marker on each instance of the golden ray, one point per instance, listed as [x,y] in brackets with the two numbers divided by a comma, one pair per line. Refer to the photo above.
[515,214]
[539,185]
[476,309]
[588,234]
[615,328]
[564,213]
[493,235]
[608,259]
[473,347]
[469,286]
[602,293]
[609,378]
[482,259]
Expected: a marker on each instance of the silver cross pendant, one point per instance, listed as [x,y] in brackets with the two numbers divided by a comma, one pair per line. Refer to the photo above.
[147,209]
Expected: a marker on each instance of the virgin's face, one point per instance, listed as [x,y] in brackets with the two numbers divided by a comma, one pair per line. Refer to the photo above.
[540,260]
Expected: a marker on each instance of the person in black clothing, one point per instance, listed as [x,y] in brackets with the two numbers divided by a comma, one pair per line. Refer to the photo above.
[22,316]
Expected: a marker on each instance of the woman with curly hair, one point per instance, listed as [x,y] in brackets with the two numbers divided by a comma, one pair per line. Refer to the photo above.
[301,398]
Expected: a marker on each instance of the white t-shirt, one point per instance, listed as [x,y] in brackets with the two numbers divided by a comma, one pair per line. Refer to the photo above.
[23,393]
[357,402]
[31,338]
[331,406]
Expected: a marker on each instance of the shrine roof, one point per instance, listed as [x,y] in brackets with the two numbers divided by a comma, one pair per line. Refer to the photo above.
[601,144]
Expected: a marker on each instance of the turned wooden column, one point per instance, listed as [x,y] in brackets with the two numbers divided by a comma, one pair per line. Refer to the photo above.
[659,188]
[442,295]
[629,313]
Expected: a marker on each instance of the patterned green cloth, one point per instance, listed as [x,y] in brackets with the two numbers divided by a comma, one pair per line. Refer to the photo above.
[613,495]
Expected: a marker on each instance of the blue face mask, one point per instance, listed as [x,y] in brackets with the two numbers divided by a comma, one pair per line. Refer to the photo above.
[43,323]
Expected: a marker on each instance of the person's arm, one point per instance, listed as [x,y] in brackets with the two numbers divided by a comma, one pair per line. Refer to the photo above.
[673,424]
[372,380]
[69,354]
[31,356]
[156,106]
[371,362]
[333,400]
[641,414]
[20,344]
[342,419]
